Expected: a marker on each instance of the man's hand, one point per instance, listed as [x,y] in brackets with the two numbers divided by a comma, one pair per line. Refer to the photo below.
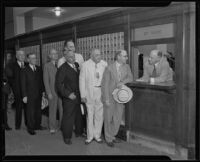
[72,96]
[141,80]
[84,100]
[25,99]
[50,96]
[119,85]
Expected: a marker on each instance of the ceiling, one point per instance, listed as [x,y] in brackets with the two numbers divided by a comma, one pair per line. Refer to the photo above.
[45,12]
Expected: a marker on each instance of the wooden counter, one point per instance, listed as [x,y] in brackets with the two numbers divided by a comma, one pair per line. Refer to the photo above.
[151,111]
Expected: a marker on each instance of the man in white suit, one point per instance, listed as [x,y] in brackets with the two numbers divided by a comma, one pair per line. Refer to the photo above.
[90,88]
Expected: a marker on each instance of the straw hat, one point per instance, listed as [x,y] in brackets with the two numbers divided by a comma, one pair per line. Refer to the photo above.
[45,103]
[122,95]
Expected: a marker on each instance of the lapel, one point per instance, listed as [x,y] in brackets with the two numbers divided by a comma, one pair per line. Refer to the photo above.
[91,70]
[114,69]
[17,65]
[123,71]
[52,67]
[70,68]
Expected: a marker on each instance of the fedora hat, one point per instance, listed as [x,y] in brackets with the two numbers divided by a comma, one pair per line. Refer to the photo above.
[45,103]
[122,95]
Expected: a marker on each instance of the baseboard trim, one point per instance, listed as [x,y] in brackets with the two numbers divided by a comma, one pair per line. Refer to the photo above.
[157,144]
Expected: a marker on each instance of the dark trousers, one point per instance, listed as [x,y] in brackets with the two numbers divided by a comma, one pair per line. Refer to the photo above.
[71,116]
[34,113]
[19,107]
[5,101]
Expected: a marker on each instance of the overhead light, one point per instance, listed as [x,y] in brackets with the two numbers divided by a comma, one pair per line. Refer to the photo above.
[57,11]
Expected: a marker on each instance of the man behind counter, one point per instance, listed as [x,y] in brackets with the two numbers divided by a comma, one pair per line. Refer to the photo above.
[156,69]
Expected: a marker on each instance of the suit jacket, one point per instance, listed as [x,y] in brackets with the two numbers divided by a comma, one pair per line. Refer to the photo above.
[163,71]
[32,82]
[14,76]
[110,80]
[49,75]
[87,78]
[67,81]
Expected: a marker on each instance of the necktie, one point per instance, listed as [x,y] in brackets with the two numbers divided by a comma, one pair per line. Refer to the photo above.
[96,72]
[22,65]
[34,68]
[55,65]
[153,75]
[74,67]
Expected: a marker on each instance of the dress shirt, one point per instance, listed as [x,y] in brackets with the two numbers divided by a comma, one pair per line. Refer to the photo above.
[20,64]
[152,80]
[32,67]
[118,71]
[78,58]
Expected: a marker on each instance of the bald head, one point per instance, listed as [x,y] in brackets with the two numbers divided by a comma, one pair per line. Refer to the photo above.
[20,55]
[121,56]
[155,56]
[95,55]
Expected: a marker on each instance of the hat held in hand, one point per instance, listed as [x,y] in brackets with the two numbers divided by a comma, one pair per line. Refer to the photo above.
[122,95]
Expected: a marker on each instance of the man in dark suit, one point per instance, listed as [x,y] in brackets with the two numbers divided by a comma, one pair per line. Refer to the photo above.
[67,84]
[32,90]
[14,77]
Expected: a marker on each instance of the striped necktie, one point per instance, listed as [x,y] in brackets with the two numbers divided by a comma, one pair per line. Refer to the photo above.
[74,66]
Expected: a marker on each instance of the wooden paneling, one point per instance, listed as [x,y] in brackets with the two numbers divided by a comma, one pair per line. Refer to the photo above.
[58,34]
[9,44]
[151,111]
[100,25]
[29,39]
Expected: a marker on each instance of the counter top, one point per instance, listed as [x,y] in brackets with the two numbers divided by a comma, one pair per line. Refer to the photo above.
[162,86]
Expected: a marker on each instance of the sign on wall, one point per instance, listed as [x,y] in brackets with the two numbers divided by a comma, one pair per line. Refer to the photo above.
[153,32]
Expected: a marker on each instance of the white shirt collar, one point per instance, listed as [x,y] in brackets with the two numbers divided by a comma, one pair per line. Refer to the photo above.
[156,64]
[32,66]
[70,64]
[19,63]
[118,64]
[94,62]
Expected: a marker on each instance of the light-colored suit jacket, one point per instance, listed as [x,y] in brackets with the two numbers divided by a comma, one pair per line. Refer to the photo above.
[49,75]
[110,80]
[163,71]
[87,78]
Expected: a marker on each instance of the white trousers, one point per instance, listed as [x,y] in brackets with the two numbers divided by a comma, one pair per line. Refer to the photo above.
[95,115]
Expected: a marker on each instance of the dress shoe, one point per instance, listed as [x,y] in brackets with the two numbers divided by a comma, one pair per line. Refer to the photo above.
[99,140]
[52,131]
[17,128]
[67,141]
[7,128]
[79,135]
[31,132]
[87,142]
[117,140]
[84,134]
[110,144]
[41,128]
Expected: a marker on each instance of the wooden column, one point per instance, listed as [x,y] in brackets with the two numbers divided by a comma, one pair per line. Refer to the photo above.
[41,42]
